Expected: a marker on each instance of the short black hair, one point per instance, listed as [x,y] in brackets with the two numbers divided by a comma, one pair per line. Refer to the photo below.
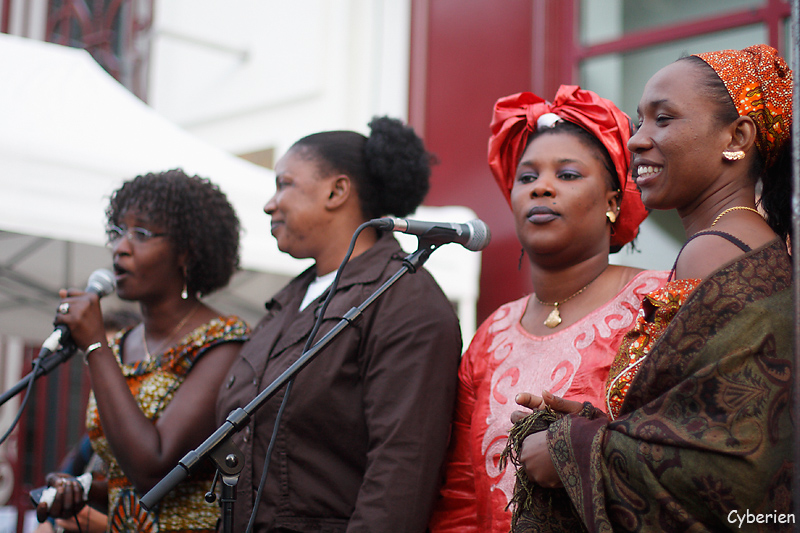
[198,219]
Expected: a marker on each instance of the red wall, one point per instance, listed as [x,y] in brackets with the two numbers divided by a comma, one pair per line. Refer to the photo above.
[465,55]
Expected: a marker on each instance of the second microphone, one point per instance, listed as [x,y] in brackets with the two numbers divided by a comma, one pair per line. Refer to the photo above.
[473,235]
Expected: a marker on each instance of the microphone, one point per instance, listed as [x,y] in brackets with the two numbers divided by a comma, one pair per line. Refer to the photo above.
[473,235]
[101,282]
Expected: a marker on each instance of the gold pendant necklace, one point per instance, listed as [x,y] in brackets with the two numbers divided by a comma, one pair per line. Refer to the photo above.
[148,357]
[554,318]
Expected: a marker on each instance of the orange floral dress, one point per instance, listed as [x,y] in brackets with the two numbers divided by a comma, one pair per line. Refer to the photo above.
[153,384]
[657,311]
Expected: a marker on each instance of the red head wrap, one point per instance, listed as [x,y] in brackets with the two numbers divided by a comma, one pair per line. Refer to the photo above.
[515,119]
[760,84]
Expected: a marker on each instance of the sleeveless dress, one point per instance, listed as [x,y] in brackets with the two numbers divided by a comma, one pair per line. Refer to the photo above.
[699,423]
[153,384]
[657,311]
[704,437]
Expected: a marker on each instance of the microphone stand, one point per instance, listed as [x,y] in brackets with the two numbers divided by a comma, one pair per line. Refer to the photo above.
[219,447]
[45,366]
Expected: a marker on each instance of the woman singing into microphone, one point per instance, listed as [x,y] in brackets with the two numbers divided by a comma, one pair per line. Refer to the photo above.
[173,239]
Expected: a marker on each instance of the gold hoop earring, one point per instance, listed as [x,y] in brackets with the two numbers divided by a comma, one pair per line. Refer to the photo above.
[731,155]
[611,215]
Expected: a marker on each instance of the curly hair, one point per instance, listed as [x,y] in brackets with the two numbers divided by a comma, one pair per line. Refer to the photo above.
[776,181]
[390,168]
[198,218]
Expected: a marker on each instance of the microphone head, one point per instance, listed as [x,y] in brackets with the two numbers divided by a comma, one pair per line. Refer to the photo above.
[101,282]
[479,235]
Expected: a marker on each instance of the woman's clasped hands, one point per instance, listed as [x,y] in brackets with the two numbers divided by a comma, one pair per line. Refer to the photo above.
[534,455]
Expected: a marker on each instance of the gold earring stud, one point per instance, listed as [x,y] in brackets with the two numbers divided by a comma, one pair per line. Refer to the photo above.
[612,216]
[731,155]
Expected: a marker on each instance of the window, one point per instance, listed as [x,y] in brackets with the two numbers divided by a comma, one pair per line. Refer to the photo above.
[602,20]
[622,43]
[621,77]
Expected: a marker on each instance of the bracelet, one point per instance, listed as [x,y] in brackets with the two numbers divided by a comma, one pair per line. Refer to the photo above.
[90,349]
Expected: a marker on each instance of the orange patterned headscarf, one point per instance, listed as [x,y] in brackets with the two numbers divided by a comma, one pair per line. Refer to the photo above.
[515,119]
[760,84]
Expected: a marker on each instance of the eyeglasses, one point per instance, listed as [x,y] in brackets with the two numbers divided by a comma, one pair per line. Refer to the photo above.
[135,235]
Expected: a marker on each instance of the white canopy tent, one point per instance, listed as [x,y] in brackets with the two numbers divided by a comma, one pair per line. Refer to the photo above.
[70,134]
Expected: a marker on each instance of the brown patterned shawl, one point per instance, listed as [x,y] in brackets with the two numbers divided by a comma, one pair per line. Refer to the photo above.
[705,433]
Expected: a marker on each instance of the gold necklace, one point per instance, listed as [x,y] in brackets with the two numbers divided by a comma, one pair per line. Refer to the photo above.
[148,357]
[734,209]
[554,318]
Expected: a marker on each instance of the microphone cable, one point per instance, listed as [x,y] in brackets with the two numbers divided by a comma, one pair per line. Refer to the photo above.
[309,342]
[37,363]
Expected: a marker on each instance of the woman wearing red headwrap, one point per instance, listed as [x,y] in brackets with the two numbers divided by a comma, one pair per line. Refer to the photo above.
[698,435]
[563,167]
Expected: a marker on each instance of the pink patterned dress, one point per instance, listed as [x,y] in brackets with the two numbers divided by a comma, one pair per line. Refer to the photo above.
[504,360]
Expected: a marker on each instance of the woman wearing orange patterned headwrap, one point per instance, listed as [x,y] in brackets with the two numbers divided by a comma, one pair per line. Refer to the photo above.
[564,168]
[698,435]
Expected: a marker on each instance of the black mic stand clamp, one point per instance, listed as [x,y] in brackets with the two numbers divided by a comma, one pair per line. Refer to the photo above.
[229,461]
[219,447]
